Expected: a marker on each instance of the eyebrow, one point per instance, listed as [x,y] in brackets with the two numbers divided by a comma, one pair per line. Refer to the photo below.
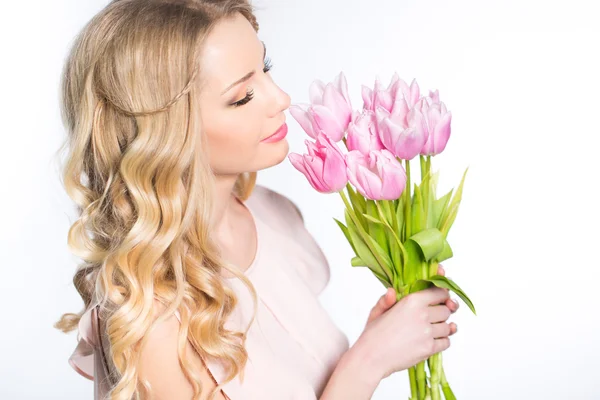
[247,76]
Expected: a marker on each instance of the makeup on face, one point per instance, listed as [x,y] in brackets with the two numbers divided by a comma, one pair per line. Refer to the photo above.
[278,135]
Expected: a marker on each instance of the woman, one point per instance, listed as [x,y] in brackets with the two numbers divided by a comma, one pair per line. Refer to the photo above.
[195,282]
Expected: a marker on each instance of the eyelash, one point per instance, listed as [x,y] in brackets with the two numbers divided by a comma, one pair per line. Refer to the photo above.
[250,93]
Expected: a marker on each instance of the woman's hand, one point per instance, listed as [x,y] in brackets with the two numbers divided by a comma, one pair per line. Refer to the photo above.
[389,299]
[400,334]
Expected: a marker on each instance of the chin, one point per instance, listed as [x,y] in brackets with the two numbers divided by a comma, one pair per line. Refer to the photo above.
[278,153]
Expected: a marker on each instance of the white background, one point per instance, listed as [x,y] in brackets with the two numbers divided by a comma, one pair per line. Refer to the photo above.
[521,79]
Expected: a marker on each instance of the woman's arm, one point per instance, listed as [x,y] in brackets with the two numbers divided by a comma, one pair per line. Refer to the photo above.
[159,364]
[352,378]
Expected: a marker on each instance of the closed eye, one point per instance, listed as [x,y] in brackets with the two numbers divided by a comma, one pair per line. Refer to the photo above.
[250,93]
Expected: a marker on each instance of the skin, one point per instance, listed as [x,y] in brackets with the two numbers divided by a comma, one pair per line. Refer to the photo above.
[234,134]
[386,301]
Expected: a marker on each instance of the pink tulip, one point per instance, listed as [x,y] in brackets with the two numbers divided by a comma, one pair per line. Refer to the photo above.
[330,111]
[305,117]
[362,133]
[437,124]
[403,135]
[377,176]
[324,166]
[401,90]
[379,97]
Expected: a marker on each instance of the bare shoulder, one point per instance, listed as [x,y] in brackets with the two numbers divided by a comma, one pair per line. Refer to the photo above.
[159,363]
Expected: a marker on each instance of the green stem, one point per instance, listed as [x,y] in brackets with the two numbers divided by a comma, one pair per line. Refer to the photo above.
[421,384]
[448,394]
[427,393]
[414,390]
[426,185]
[407,215]
[435,377]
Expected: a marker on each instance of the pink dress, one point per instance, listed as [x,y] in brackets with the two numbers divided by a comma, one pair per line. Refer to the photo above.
[293,345]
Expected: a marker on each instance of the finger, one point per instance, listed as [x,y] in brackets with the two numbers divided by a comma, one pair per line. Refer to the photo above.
[434,295]
[452,305]
[386,299]
[441,345]
[438,314]
[441,270]
[383,304]
[441,330]
[453,328]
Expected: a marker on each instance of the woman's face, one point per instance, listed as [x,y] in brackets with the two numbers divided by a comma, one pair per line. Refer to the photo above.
[234,133]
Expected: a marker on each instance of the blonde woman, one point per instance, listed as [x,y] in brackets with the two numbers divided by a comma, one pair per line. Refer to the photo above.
[196,283]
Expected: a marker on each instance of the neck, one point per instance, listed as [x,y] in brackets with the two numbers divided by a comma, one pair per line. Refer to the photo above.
[225,204]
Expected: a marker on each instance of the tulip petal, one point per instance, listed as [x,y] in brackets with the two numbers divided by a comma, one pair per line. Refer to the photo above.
[315,92]
[342,86]
[414,93]
[367,96]
[370,182]
[334,171]
[303,117]
[335,102]
[442,133]
[314,173]
[327,122]
[298,162]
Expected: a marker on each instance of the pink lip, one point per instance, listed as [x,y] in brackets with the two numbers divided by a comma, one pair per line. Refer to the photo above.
[278,135]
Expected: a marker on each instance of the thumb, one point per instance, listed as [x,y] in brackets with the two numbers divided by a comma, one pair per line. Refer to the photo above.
[383,304]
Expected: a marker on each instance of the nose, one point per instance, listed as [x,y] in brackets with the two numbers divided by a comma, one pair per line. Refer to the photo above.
[281,101]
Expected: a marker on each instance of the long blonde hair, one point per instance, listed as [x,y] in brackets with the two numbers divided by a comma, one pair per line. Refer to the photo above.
[136,168]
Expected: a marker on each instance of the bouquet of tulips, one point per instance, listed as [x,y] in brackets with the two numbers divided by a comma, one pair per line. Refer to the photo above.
[398,233]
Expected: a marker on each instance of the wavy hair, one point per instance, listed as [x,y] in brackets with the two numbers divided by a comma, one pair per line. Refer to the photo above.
[137,169]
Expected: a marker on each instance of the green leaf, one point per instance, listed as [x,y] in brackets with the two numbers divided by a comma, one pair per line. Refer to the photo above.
[445,254]
[384,281]
[432,218]
[449,220]
[376,230]
[443,282]
[363,251]
[412,266]
[372,219]
[346,233]
[452,210]
[419,285]
[357,262]
[434,181]
[397,250]
[440,208]
[384,256]
[396,254]
[430,241]
[418,215]
[386,211]
[358,204]
[400,217]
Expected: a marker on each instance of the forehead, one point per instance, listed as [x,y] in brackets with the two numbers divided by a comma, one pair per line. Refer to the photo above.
[230,51]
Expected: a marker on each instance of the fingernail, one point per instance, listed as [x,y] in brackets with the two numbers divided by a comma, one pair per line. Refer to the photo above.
[455,302]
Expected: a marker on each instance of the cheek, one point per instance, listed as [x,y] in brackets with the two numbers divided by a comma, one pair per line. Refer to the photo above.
[231,144]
